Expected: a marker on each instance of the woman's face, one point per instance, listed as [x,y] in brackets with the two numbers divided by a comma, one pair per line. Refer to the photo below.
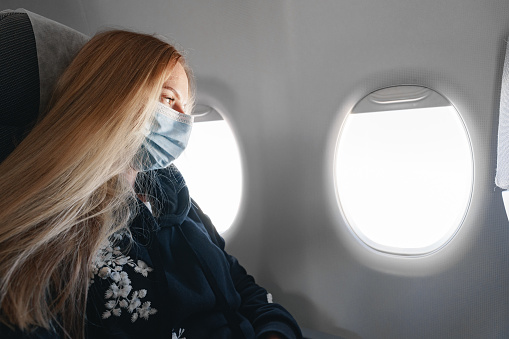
[175,92]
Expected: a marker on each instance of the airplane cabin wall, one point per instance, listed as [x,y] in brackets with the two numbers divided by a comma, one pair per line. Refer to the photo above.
[286,74]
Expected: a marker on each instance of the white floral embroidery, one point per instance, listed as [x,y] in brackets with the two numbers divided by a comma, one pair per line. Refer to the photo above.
[269,298]
[177,336]
[109,264]
[142,268]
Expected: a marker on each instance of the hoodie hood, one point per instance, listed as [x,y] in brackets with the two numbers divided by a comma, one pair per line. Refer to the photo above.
[168,194]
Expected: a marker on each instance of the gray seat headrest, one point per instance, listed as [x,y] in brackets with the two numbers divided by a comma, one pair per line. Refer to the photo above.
[34,51]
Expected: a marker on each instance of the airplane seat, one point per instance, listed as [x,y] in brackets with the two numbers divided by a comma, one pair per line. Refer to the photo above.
[34,51]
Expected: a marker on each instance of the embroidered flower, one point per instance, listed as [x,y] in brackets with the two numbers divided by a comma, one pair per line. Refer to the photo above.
[115,276]
[142,268]
[146,310]
[177,336]
[109,265]
[104,272]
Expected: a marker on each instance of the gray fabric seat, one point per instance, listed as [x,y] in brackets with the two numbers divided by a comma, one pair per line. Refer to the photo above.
[33,53]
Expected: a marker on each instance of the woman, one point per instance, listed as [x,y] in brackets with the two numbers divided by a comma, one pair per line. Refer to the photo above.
[99,237]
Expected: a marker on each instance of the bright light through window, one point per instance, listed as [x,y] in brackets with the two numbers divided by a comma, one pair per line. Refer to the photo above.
[404,177]
[212,170]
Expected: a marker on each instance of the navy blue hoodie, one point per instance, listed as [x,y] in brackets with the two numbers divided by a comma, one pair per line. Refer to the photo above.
[185,284]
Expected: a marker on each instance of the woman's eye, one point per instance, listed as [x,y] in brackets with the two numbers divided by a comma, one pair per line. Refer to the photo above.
[168,100]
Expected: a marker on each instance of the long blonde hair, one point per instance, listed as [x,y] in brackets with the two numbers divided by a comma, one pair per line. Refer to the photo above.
[64,189]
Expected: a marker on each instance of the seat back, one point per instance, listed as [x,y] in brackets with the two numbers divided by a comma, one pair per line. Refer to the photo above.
[34,51]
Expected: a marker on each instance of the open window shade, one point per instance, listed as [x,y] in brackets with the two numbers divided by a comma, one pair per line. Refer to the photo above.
[404,170]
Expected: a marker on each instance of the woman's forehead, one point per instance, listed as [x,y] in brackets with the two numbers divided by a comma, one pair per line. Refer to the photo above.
[178,82]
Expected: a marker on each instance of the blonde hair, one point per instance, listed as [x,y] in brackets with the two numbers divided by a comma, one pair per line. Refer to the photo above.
[64,189]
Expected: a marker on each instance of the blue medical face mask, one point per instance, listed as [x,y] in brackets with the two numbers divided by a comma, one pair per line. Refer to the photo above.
[166,139]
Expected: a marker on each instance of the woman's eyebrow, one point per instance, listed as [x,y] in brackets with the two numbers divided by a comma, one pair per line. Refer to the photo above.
[173,90]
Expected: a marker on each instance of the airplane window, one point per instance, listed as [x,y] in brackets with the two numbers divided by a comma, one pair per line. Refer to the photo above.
[212,170]
[404,170]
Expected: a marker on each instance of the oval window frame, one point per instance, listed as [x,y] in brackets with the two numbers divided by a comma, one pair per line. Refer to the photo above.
[393,98]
